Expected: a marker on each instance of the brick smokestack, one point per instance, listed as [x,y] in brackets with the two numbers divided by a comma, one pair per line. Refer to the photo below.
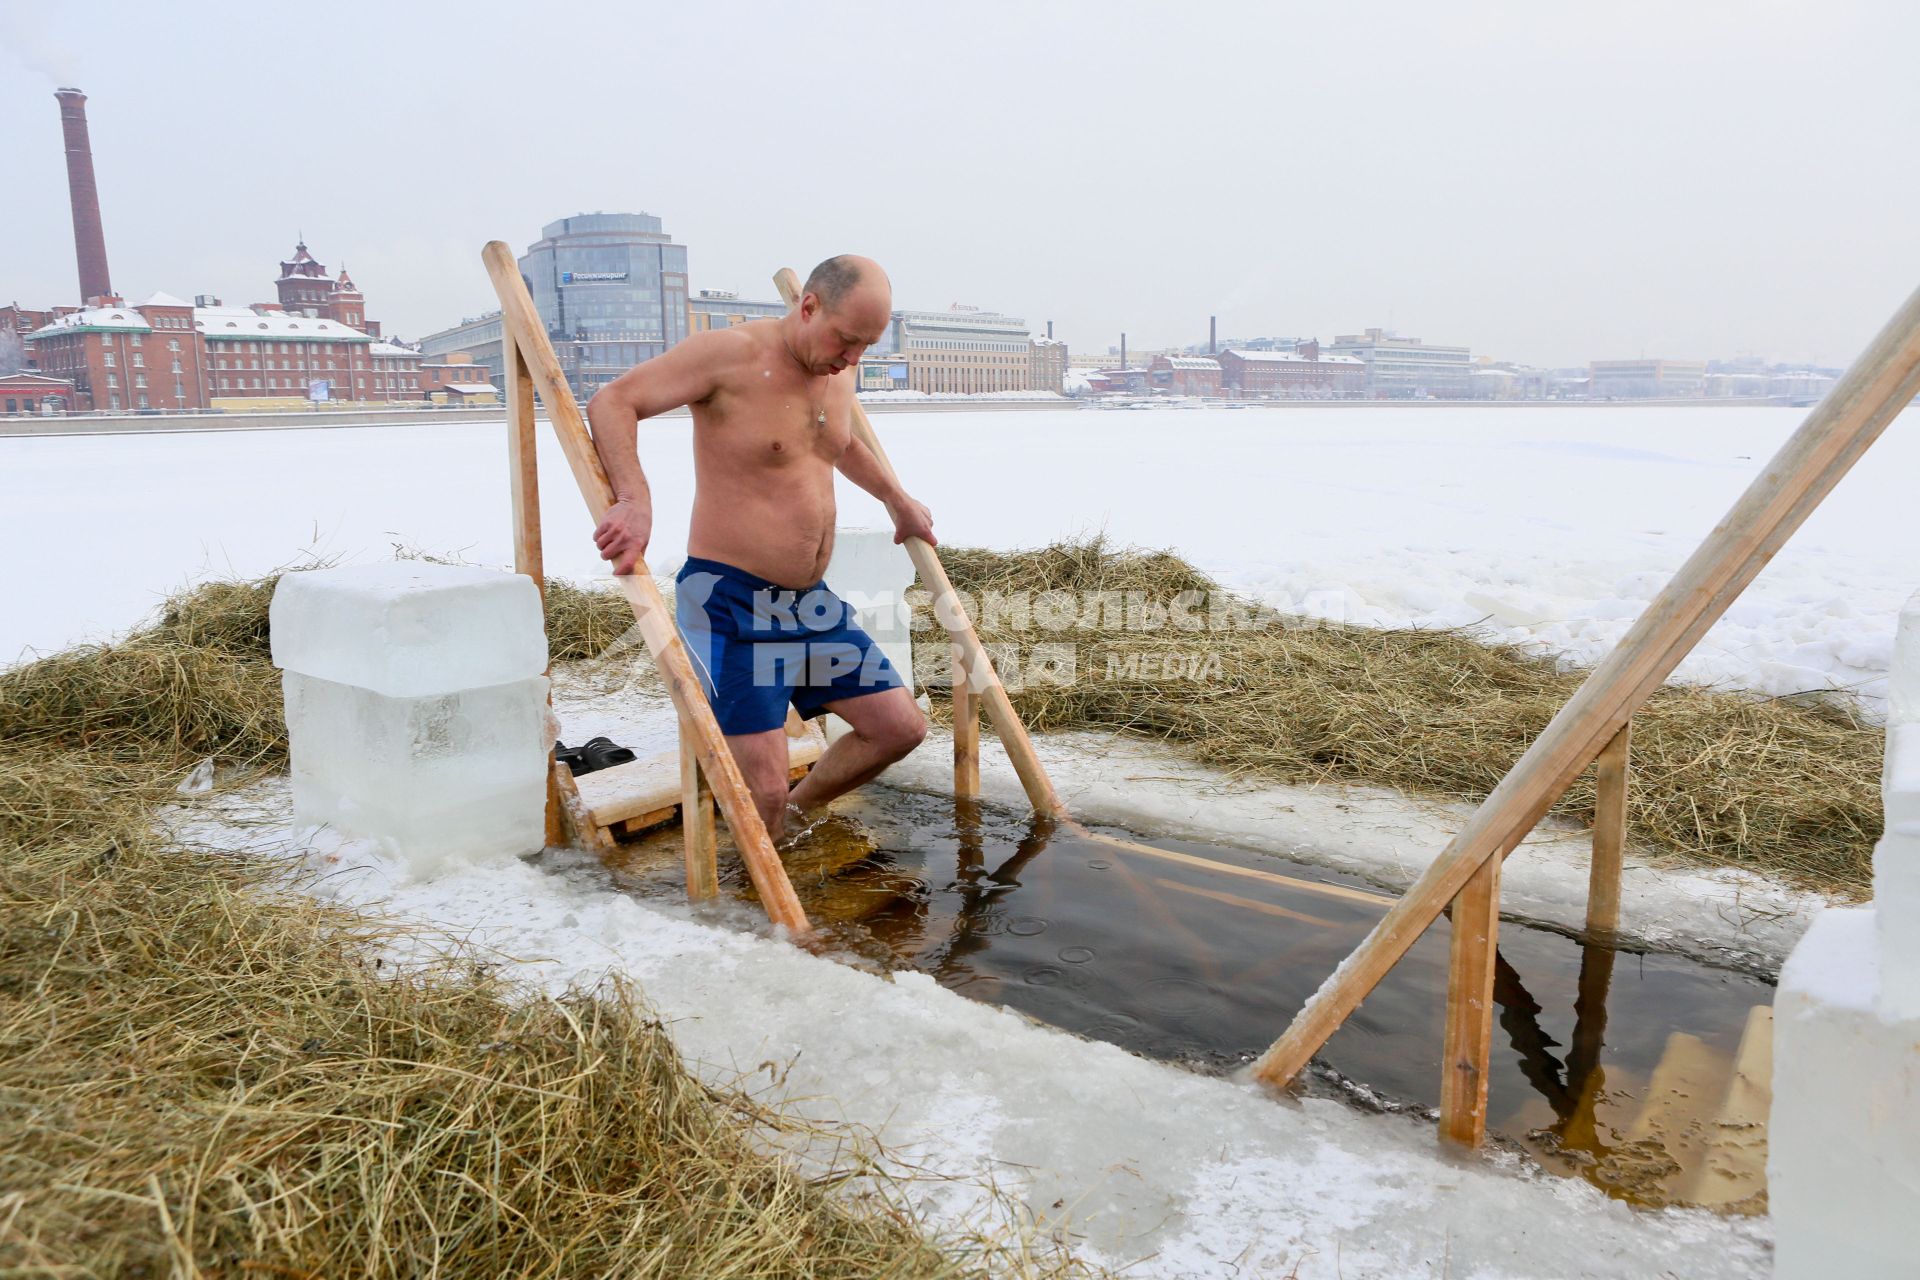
[89,242]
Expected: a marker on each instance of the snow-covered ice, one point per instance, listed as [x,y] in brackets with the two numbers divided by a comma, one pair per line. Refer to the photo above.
[1546,525]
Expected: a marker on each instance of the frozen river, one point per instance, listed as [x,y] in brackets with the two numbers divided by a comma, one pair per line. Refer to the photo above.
[1553,525]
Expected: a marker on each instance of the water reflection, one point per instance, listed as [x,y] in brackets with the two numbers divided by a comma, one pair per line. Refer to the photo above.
[1201,954]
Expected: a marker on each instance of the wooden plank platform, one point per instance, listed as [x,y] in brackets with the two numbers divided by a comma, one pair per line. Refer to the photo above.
[645,793]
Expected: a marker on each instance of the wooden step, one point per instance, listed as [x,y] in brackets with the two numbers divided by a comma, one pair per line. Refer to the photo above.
[646,792]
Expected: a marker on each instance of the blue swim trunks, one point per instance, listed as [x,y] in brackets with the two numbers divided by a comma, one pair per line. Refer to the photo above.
[759,646]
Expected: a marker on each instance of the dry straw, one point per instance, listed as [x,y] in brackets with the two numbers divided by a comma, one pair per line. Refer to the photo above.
[204,1072]
[1784,786]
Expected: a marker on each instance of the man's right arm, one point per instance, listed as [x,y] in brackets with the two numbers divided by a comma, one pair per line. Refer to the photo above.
[685,374]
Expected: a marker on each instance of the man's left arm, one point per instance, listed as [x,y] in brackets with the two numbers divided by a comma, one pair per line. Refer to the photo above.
[911,519]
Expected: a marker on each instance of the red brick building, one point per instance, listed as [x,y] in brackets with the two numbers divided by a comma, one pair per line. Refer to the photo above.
[267,354]
[17,324]
[305,289]
[122,358]
[1302,373]
[167,354]
[457,379]
[1185,375]
[34,394]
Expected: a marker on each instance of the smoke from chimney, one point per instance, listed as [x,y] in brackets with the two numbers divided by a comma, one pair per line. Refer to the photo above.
[89,241]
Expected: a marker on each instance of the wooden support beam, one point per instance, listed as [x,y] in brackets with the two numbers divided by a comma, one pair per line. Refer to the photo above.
[946,607]
[523,480]
[1609,833]
[521,323]
[966,730]
[696,827]
[1469,1032]
[1858,408]
[627,791]
[581,830]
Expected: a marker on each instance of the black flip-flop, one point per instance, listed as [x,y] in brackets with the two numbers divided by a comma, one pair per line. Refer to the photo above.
[592,755]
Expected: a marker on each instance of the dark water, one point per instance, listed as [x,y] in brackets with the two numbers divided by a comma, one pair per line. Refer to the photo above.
[1200,963]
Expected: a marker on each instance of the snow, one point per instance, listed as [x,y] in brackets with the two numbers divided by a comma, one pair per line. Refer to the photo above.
[98,318]
[1136,1162]
[1551,526]
[240,322]
[1289,357]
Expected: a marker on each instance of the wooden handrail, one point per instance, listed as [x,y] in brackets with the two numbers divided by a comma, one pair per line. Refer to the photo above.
[946,607]
[1878,385]
[655,620]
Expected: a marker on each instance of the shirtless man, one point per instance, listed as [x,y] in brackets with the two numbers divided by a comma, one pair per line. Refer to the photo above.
[772,405]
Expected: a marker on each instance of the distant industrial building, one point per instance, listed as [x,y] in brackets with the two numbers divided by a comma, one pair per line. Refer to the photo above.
[1185,375]
[611,289]
[17,324]
[1128,380]
[167,354]
[1646,379]
[1401,368]
[1301,374]
[1047,365]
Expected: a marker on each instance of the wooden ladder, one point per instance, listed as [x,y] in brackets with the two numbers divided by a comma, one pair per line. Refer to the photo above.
[1593,727]
[531,366]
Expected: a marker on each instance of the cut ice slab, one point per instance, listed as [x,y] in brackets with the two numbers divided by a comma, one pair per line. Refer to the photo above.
[452,777]
[407,628]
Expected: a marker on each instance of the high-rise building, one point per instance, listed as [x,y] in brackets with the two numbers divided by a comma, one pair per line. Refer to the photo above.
[611,289]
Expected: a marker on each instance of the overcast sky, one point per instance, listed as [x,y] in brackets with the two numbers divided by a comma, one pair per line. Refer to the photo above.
[1547,183]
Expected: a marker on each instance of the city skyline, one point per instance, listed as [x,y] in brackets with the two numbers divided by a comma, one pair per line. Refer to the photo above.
[1542,188]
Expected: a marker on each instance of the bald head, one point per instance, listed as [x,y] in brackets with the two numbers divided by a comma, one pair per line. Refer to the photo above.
[836,279]
[845,307]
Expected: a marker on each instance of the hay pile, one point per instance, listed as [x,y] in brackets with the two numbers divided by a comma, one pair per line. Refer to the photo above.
[1779,786]
[203,1073]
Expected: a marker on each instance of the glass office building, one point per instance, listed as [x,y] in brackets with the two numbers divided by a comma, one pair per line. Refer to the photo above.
[611,289]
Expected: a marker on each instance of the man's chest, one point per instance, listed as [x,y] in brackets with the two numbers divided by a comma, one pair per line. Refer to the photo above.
[777,431]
